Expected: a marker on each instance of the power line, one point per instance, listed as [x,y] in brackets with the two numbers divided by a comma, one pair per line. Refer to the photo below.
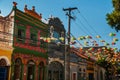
[89,24]
[77,40]
[87,32]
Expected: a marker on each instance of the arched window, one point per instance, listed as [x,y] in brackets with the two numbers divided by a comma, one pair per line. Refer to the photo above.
[55,71]
[31,70]
[79,73]
[41,71]
[3,70]
[3,62]
[17,69]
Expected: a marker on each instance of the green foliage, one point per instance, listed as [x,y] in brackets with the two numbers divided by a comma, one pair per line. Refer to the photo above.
[118,70]
[101,62]
[116,4]
[113,18]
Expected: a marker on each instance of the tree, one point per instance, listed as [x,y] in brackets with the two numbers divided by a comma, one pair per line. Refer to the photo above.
[108,59]
[113,18]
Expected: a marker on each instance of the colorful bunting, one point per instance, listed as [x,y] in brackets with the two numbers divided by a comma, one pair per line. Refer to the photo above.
[73,38]
[115,39]
[106,44]
[112,34]
[62,38]
[81,38]
[98,36]
[113,43]
[86,43]
[102,40]
[88,37]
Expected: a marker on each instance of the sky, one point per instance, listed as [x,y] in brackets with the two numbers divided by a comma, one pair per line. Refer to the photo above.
[90,17]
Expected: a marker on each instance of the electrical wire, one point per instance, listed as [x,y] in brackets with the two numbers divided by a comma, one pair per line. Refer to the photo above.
[86,32]
[76,39]
[89,26]
[87,22]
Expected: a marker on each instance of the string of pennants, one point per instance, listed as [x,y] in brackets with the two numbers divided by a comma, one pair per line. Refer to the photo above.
[91,51]
[86,40]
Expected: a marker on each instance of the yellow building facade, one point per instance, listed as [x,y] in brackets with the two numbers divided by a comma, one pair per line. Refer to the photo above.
[6,32]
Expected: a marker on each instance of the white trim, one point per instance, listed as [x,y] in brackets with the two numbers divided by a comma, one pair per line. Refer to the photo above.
[50,60]
[6,59]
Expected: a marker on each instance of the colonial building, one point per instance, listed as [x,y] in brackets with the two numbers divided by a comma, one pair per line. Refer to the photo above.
[93,70]
[90,69]
[6,42]
[24,53]
[56,55]
[24,48]
[56,51]
[78,65]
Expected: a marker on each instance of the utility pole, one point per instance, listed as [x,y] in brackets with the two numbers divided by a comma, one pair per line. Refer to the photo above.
[0,11]
[67,53]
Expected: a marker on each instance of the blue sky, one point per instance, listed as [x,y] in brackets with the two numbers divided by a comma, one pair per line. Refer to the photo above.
[90,16]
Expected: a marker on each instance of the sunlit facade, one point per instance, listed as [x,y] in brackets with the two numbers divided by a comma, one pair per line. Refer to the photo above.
[56,51]
[23,54]
[6,48]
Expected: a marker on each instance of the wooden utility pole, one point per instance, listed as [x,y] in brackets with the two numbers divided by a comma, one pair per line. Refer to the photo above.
[67,53]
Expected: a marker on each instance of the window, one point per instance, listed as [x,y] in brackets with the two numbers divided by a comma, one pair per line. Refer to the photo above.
[3,73]
[79,76]
[17,69]
[49,75]
[80,69]
[21,33]
[41,71]
[3,62]
[33,38]
[74,76]
[56,71]
[83,70]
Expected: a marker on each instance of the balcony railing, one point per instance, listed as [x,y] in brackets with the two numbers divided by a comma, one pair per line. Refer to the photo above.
[7,38]
[36,43]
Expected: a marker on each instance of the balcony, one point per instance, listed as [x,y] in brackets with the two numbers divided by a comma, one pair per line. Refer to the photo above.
[30,42]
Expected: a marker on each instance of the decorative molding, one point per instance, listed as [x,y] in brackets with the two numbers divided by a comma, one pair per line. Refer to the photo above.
[6,59]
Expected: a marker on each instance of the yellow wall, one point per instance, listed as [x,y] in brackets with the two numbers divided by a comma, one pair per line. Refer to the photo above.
[6,53]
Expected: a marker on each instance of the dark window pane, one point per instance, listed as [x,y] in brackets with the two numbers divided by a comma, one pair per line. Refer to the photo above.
[20,33]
